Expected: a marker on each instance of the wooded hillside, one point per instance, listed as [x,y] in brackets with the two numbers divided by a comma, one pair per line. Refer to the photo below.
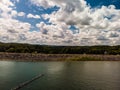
[28,48]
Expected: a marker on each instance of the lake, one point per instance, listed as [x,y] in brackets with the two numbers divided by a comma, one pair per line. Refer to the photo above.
[82,75]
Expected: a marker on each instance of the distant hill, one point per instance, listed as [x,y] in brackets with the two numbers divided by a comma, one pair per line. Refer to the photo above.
[28,48]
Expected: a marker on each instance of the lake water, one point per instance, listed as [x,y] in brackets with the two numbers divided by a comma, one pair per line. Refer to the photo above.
[88,75]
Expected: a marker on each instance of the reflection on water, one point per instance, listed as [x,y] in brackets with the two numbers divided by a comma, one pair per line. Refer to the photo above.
[88,75]
[55,67]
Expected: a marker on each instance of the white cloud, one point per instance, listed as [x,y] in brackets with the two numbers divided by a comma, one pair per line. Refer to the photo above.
[4,8]
[17,0]
[14,13]
[43,3]
[98,26]
[91,22]
[21,14]
[12,29]
[33,16]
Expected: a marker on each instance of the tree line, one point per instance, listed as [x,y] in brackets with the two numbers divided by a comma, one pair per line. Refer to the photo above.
[28,48]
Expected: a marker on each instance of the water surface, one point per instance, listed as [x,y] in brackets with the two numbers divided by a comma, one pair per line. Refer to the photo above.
[88,75]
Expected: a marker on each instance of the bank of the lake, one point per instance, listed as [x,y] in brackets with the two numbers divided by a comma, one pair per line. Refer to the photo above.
[56,57]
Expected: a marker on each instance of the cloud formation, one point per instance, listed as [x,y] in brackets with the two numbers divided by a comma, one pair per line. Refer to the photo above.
[95,26]
[33,16]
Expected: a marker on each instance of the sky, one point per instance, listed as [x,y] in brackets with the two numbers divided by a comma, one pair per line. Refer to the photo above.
[60,22]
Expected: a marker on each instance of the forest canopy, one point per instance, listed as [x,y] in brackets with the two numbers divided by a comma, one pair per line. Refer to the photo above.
[46,49]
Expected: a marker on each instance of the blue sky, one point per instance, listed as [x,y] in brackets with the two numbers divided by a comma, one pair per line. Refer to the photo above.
[76,22]
[27,7]
[99,3]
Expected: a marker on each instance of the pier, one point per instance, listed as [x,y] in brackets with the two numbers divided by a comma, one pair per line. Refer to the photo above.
[27,82]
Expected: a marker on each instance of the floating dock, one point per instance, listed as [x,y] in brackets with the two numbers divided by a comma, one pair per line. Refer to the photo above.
[27,82]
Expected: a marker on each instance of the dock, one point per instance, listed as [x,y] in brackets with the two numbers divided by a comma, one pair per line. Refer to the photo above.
[27,82]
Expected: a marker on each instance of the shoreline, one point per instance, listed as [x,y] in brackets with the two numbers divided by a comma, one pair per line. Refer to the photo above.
[32,57]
